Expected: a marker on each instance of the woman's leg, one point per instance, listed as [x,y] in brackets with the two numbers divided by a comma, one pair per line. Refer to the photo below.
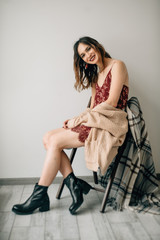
[65,167]
[56,159]
[55,141]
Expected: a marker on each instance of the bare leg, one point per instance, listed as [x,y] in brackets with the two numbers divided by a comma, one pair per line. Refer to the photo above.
[65,167]
[55,141]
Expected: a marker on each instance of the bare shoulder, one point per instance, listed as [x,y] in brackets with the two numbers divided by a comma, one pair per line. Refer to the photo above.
[119,65]
[120,69]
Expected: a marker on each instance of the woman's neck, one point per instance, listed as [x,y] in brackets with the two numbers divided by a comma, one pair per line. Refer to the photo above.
[101,66]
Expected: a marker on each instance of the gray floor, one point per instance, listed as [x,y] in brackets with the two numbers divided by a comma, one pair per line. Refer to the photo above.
[58,223]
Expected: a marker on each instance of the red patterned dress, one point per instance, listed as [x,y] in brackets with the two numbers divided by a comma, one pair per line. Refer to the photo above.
[102,94]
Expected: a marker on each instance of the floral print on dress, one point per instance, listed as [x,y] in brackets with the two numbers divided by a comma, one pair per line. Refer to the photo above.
[102,94]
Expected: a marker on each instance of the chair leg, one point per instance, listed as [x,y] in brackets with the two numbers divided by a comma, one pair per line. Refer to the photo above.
[60,189]
[95,177]
[106,195]
[109,185]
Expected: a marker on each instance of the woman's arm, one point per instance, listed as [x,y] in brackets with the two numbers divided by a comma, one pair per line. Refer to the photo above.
[93,95]
[119,78]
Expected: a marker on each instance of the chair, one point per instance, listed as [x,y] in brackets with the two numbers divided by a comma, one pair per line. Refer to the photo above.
[95,177]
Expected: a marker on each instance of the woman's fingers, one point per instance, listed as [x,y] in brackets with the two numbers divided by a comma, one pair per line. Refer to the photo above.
[65,124]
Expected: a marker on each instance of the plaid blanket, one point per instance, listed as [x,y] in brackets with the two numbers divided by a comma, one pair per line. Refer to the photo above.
[135,183]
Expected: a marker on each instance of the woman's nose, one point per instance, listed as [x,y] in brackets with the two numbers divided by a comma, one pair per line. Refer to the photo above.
[88,55]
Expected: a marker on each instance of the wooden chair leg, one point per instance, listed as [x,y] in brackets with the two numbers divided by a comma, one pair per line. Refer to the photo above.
[60,189]
[106,195]
[108,188]
[109,185]
[95,177]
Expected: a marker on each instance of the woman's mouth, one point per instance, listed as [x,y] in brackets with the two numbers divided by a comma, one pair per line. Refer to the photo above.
[92,58]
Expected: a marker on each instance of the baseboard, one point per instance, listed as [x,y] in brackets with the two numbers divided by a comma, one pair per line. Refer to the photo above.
[26,181]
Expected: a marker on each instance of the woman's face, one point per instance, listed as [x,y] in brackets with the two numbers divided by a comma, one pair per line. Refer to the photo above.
[88,53]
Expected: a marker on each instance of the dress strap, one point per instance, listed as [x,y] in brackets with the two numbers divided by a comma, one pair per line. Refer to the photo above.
[111,68]
[112,65]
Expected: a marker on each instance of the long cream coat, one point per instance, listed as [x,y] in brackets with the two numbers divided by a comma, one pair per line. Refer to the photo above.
[109,128]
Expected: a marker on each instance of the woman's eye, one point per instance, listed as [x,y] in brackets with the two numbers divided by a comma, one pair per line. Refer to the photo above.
[88,48]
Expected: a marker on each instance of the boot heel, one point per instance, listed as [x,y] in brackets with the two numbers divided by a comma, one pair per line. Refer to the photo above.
[85,186]
[45,207]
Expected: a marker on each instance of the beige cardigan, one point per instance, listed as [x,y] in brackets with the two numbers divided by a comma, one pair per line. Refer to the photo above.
[109,128]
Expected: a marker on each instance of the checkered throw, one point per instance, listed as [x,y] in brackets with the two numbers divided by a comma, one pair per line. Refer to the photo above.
[135,183]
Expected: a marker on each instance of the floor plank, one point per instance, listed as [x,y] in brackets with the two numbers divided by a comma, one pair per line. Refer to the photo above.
[86,226]
[151,226]
[139,231]
[6,223]
[27,233]
[102,226]
[123,231]
[9,195]
[59,224]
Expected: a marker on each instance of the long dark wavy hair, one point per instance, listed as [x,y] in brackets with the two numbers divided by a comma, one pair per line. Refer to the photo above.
[86,76]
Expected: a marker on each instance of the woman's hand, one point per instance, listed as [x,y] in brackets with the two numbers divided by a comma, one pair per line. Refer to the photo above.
[65,124]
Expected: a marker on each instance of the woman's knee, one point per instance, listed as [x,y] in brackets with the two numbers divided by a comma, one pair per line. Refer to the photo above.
[49,134]
[60,139]
[54,141]
[51,139]
[46,138]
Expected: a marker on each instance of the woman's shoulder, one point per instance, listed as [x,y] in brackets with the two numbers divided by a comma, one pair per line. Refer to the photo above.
[120,67]
[118,63]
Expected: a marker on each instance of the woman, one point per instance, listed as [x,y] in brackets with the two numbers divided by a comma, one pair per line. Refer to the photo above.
[108,79]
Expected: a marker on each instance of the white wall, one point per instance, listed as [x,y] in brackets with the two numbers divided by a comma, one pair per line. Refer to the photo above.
[36,73]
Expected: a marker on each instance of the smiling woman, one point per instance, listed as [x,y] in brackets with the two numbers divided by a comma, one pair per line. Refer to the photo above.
[108,79]
[87,53]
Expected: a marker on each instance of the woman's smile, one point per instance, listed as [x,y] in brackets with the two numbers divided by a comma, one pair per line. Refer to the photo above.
[92,58]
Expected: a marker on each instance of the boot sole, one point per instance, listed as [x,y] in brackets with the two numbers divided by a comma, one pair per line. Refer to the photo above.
[28,213]
[21,213]
[41,209]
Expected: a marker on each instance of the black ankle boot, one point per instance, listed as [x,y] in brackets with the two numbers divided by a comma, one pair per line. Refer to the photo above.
[38,199]
[76,187]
